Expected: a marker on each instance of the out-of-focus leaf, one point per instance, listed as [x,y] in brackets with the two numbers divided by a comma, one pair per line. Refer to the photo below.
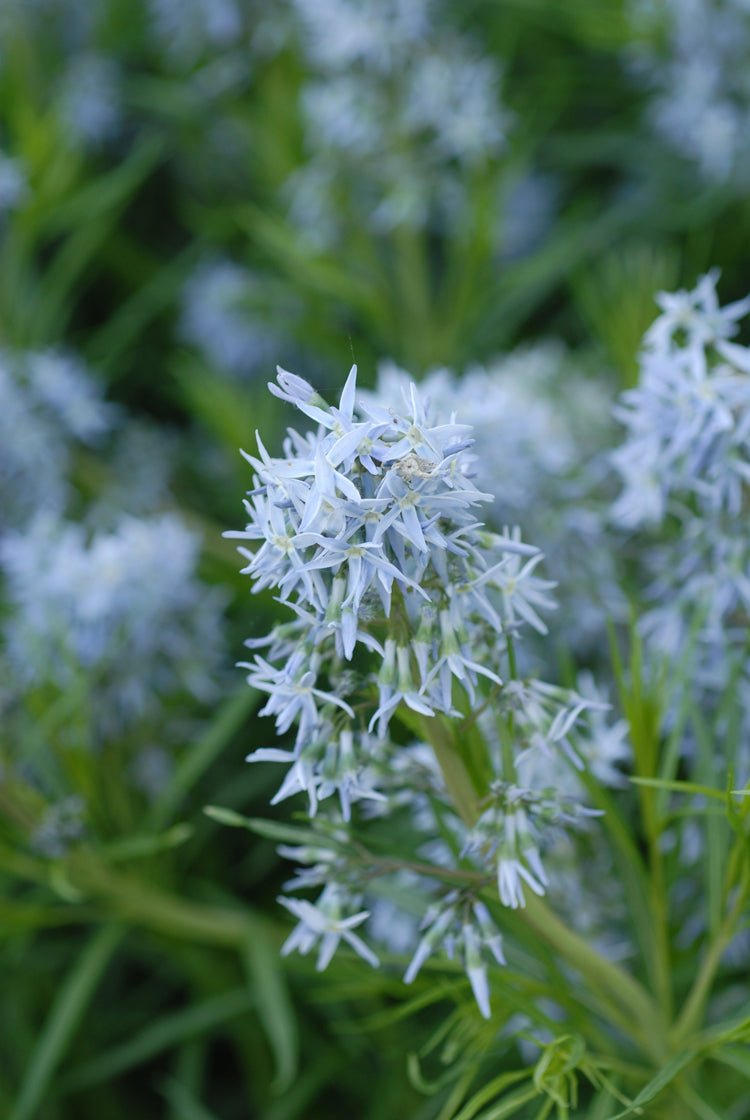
[137,847]
[64,1019]
[272,830]
[274,1007]
[183,1103]
[200,755]
[664,1077]
[167,1032]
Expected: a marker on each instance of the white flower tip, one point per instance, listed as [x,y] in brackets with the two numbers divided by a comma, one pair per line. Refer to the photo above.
[480,988]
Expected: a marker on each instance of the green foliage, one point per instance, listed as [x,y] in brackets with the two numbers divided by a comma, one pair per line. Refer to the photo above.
[140,961]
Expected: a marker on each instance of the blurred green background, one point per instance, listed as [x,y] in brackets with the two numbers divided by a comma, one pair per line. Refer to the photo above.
[190,192]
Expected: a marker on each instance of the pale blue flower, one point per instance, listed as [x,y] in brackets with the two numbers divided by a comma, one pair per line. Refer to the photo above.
[14,184]
[293,695]
[90,99]
[454,98]
[538,425]
[187,29]
[688,420]
[331,759]
[393,102]
[228,314]
[692,57]
[381,34]
[691,319]
[325,922]
[48,403]
[460,926]
[123,608]
[387,518]
[509,833]
[368,528]
[61,825]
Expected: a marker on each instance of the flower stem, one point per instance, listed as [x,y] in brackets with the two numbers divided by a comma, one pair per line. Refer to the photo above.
[600,973]
[689,1017]
[649,1030]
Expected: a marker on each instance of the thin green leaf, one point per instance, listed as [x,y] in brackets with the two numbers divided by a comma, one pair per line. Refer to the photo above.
[138,846]
[183,1103]
[429,1088]
[109,191]
[701,1109]
[198,758]
[663,1078]
[510,1105]
[164,1034]
[735,1058]
[736,1029]
[274,1007]
[323,275]
[490,1090]
[271,830]
[18,917]
[681,787]
[64,1018]
[134,314]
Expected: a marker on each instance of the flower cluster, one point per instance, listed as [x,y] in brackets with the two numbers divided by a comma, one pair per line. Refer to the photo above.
[508,834]
[685,467]
[370,532]
[405,609]
[699,78]
[228,312]
[466,926]
[186,31]
[539,427]
[396,104]
[686,422]
[90,99]
[48,403]
[125,608]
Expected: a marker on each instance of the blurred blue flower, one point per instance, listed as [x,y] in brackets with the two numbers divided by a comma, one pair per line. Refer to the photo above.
[48,402]
[123,609]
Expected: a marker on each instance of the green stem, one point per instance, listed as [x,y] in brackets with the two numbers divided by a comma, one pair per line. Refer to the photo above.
[507,730]
[227,722]
[600,973]
[513,671]
[132,900]
[689,1017]
[662,974]
[64,1019]
[457,779]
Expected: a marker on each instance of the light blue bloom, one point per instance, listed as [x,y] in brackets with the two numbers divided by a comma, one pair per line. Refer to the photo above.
[460,925]
[538,424]
[48,403]
[403,603]
[61,825]
[90,99]
[688,420]
[293,695]
[122,608]
[326,922]
[692,57]
[395,104]
[381,34]
[228,314]
[188,29]
[14,184]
